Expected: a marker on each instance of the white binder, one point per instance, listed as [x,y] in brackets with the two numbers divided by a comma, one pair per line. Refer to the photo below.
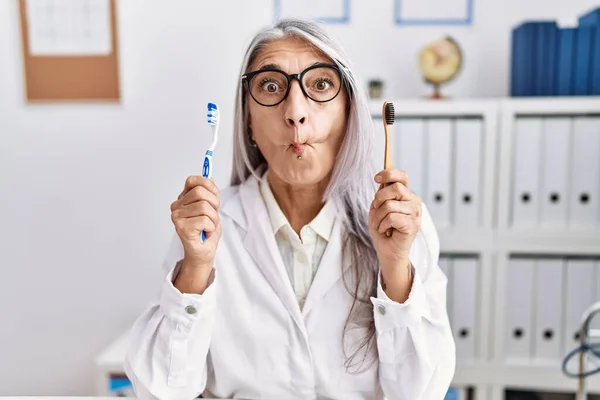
[555,168]
[467,172]
[464,283]
[580,294]
[439,170]
[585,170]
[548,316]
[519,309]
[410,152]
[526,172]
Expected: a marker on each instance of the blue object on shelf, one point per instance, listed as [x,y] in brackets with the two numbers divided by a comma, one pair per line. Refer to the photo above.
[549,61]
[522,65]
[582,67]
[592,20]
[545,44]
[565,61]
[452,394]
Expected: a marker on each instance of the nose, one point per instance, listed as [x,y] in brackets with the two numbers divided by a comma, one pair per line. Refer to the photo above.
[296,111]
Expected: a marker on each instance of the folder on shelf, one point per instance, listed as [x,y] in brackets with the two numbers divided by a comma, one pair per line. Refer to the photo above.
[464,282]
[565,61]
[439,169]
[526,172]
[584,172]
[467,172]
[555,167]
[592,20]
[580,293]
[547,338]
[522,68]
[583,60]
[520,278]
[410,153]
[546,39]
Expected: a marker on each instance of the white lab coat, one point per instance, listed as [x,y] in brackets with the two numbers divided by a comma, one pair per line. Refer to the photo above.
[246,336]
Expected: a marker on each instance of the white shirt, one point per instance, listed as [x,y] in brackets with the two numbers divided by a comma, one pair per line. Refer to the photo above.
[301,254]
[246,337]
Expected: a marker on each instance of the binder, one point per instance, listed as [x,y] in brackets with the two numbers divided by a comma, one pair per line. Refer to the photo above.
[464,284]
[584,193]
[546,39]
[522,67]
[555,167]
[519,309]
[565,75]
[526,172]
[439,169]
[467,172]
[583,55]
[410,152]
[548,315]
[592,20]
[580,294]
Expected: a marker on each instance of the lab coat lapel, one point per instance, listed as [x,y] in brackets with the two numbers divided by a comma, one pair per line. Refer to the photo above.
[329,271]
[260,243]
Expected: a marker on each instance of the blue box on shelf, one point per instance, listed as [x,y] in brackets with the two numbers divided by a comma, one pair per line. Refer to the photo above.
[550,61]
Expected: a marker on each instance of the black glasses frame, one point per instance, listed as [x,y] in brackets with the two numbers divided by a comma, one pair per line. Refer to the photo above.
[247,77]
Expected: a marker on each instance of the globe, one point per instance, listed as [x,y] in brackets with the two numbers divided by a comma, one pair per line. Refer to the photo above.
[439,62]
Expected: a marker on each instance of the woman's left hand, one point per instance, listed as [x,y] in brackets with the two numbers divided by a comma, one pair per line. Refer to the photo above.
[396,207]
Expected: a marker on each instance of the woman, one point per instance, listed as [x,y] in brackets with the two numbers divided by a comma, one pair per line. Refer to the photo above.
[297,291]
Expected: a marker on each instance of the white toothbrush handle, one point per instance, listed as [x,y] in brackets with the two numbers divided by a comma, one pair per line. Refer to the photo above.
[207,173]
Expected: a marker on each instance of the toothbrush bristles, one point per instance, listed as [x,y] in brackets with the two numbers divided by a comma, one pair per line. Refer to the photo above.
[390,113]
[213,114]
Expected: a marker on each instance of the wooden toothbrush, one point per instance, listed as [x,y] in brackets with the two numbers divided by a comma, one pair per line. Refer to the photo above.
[389,115]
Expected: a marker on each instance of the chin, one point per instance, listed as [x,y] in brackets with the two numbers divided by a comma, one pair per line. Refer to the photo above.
[303,172]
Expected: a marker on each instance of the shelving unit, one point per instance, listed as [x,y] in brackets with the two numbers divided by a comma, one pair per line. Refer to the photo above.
[490,236]
[495,239]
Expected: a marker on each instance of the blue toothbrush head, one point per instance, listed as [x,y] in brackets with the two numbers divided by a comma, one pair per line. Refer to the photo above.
[212,114]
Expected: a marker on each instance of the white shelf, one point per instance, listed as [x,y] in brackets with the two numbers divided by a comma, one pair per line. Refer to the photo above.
[426,107]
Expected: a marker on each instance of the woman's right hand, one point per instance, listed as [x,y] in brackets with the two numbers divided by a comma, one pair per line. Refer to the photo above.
[194,211]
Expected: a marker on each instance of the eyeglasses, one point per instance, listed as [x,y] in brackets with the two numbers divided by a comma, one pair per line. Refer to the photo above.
[270,86]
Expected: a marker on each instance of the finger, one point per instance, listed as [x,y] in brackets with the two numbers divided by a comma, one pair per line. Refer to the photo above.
[392,175]
[189,228]
[200,193]
[197,209]
[195,180]
[392,206]
[401,222]
[395,191]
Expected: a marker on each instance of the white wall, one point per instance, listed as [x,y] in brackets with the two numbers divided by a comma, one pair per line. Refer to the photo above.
[86,188]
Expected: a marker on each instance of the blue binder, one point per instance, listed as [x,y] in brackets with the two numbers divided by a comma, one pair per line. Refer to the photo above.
[592,20]
[522,61]
[583,66]
[546,40]
[565,61]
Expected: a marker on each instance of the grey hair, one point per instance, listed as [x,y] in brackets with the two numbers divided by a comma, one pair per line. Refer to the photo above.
[351,187]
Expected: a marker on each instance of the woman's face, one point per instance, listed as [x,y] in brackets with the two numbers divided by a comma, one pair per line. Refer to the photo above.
[298,126]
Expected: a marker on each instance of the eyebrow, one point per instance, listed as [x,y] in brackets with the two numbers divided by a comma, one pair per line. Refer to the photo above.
[269,66]
[277,66]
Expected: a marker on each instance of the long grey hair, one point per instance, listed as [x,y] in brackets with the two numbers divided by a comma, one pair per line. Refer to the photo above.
[351,186]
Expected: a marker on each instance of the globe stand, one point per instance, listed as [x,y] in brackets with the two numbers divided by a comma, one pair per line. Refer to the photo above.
[437,94]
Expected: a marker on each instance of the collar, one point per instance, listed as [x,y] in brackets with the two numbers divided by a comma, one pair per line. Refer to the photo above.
[322,224]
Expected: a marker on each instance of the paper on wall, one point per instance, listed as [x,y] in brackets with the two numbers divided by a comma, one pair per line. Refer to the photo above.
[69,27]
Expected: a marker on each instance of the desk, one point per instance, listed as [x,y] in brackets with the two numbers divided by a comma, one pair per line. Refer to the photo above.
[110,376]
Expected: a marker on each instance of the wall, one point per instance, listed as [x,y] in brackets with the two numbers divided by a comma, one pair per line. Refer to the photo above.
[86,188]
